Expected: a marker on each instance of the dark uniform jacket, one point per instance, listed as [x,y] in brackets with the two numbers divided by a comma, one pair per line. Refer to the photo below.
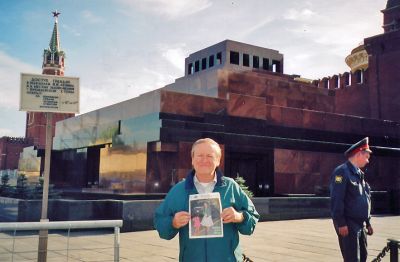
[350,196]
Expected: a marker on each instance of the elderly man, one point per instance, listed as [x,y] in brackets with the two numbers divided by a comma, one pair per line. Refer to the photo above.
[238,212]
[351,203]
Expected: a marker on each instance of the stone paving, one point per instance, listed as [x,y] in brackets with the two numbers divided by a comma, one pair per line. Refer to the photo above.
[290,240]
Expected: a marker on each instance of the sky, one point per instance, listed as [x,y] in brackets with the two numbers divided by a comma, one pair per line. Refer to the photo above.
[123,48]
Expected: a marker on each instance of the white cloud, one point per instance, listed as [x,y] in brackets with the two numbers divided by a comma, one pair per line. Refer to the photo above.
[12,120]
[294,14]
[160,79]
[91,18]
[172,9]
[254,28]
[114,86]
[5,132]
[92,99]
[10,70]
[71,30]
[176,56]
[327,38]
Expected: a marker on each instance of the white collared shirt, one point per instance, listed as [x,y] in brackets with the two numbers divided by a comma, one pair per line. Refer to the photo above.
[205,188]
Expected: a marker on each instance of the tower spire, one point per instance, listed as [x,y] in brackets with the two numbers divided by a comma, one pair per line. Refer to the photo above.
[391,16]
[55,37]
[53,56]
[392,3]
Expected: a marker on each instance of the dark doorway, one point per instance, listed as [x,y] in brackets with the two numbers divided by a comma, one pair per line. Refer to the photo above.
[256,169]
[93,165]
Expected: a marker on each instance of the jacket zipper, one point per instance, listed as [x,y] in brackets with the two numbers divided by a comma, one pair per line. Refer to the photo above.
[205,245]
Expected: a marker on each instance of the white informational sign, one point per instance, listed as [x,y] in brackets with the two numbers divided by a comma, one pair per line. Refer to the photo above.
[48,93]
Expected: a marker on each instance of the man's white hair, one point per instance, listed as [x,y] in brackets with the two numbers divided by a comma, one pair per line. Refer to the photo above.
[209,141]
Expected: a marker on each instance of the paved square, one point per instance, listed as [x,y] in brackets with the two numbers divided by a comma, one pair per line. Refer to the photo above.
[290,240]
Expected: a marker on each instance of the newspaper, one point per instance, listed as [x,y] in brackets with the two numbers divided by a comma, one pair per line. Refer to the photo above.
[205,213]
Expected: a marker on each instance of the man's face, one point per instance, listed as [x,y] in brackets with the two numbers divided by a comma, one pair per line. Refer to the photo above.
[205,160]
[363,158]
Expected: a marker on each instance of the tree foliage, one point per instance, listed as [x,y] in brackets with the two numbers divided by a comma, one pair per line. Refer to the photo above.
[4,186]
[26,190]
[242,183]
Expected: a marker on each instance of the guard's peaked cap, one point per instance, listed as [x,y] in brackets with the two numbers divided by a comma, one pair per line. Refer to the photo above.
[357,147]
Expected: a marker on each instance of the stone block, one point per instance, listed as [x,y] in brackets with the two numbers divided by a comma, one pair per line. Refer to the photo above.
[274,114]
[313,119]
[335,122]
[292,117]
[284,183]
[353,125]
[246,106]
[282,158]
[305,183]
[179,103]
[247,85]
[280,208]
[139,214]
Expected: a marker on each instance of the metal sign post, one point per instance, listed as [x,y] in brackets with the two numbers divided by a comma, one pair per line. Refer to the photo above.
[49,94]
[43,234]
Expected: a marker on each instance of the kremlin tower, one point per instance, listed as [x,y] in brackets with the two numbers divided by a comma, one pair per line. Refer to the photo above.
[384,56]
[53,64]
[391,16]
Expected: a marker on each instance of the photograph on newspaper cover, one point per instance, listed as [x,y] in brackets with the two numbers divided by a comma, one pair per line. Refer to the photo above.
[205,212]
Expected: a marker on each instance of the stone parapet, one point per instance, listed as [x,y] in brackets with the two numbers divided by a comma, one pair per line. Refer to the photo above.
[138,214]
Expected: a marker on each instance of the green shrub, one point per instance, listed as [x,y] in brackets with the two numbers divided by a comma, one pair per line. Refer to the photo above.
[4,186]
[242,183]
[22,188]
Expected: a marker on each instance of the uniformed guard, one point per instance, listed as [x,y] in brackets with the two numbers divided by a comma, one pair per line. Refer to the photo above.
[351,203]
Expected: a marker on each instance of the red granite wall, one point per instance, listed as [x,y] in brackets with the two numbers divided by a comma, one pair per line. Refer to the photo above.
[246,105]
[302,172]
[184,159]
[279,90]
[353,100]
[382,173]
[10,148]
[284,102]
[191,105]
[384,51]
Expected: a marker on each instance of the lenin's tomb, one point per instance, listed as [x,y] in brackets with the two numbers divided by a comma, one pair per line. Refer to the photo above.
[282,133]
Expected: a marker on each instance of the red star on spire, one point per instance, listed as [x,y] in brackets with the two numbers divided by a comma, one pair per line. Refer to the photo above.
[56,14]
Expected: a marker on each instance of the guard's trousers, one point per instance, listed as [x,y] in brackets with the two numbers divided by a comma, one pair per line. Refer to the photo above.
[354,245]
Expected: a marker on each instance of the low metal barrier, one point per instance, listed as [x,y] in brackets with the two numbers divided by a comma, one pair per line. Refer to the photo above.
[392,247]
[15,227]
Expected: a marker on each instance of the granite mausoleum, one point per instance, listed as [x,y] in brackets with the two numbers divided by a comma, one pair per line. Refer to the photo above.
[282,133]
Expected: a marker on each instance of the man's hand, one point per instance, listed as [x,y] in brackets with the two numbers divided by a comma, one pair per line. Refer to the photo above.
[180,219]
[230,215]
[343,231]
[370,230]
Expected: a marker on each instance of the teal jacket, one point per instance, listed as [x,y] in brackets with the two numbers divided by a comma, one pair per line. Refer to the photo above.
[207,249]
